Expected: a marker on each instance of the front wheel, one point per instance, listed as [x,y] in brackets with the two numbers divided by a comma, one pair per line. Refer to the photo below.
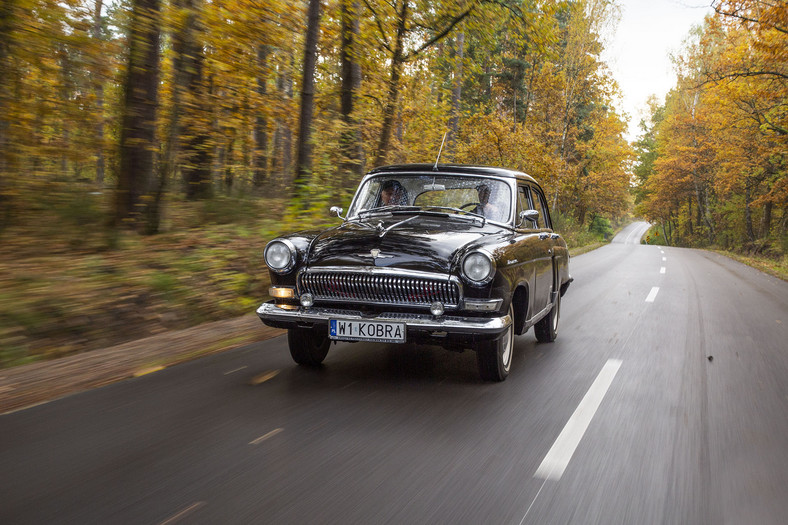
[494,358]
[307,347]
[546,330]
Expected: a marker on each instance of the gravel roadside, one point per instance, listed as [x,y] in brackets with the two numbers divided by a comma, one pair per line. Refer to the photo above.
[28,385]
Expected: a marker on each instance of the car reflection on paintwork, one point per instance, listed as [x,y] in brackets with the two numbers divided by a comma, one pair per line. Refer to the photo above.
[463,257]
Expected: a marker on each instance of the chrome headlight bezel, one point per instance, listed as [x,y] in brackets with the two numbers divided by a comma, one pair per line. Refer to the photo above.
[479,256]
[274,245]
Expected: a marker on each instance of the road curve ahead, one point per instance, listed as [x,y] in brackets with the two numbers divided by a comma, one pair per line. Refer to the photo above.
[632,233]
[663,400]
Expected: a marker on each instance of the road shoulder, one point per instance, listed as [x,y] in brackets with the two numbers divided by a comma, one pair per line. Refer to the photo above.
[28,385]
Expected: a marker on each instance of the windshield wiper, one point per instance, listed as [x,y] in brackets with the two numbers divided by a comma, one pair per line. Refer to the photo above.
[386,209]
[459,211]
[383,231]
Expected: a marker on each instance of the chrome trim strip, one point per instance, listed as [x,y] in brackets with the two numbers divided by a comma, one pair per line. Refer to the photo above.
[450,324]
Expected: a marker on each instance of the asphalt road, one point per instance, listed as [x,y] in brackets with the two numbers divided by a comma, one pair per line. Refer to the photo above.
[664,400]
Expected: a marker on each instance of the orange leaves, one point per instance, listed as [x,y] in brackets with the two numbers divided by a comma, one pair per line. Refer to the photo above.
[721,143]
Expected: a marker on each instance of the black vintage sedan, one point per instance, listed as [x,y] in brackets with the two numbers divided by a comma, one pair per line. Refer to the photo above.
[463,257]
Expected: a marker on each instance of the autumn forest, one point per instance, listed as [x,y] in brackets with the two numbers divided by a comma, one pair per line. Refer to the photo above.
[118,119]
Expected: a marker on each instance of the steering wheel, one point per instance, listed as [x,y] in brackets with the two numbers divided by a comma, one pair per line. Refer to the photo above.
[470,204]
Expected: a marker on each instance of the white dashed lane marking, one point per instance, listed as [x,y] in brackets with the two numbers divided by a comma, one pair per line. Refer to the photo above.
[662,270]
[556,460]
[266,436]
[652,294]
[182,513]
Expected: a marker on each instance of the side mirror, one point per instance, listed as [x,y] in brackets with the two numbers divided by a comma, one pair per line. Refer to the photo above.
[529,215]
[338,211]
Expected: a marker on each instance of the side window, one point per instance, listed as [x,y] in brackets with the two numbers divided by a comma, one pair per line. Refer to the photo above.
[522,205]
[541,206]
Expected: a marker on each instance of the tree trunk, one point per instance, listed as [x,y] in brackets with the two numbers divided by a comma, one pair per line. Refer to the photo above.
[352,151]
[390,108]
[138,119]
[304,156]
[748,212]
[196,167]
[99,91]
[456,93]
[581,215]
[229,161]
[704,214]
[766,220]
[261,123]
[281,163]
[7,22]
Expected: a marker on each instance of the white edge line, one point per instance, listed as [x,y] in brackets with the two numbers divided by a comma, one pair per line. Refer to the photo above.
[652,295]
[263,438]
[556,460]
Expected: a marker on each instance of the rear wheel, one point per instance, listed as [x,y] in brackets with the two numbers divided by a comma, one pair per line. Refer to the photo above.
[546,330]
[307,347]
[495,357]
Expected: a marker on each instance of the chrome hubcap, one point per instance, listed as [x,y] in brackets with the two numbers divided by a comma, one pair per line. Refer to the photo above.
[506,356]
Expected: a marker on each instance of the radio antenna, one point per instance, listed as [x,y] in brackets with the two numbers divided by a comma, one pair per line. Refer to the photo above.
[435,167]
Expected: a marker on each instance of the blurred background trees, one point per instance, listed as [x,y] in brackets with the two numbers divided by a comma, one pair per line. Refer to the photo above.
[145,103]
[118,111]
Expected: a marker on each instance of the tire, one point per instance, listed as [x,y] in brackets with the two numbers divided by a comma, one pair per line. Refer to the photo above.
[495,357]
[307,347]
[546,330]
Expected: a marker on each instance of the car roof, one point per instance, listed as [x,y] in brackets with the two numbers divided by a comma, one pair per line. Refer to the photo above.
[453,169]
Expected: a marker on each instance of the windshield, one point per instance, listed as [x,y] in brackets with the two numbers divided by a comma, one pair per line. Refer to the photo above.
[490,198]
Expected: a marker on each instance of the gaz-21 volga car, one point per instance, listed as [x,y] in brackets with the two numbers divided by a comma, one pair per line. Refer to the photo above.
[463,257]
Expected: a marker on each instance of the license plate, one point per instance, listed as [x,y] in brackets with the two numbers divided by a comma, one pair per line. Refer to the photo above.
[378,331]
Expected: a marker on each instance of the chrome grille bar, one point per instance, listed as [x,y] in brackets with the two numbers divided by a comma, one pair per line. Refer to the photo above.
[379,288]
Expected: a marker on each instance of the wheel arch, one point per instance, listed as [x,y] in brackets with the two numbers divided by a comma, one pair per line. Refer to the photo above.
[520,304]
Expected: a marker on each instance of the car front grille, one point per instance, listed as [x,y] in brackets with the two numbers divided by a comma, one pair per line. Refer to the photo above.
[379,288]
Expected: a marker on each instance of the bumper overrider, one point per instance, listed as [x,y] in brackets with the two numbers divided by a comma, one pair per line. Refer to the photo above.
[418,325]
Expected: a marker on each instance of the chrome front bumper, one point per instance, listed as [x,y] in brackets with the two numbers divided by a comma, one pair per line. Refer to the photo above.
[269,312]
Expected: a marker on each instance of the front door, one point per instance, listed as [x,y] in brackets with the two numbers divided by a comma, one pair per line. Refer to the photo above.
[543,278]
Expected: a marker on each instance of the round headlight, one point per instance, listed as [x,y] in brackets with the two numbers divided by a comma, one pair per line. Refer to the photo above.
[478,267]
[280,256]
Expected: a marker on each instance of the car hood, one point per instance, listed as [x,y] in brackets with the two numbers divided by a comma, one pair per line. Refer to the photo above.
[415,245]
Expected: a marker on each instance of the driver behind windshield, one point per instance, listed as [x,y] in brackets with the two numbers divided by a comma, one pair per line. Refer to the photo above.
[393,194]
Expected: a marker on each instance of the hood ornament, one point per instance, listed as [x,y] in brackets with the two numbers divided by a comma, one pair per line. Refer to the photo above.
[375,254]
